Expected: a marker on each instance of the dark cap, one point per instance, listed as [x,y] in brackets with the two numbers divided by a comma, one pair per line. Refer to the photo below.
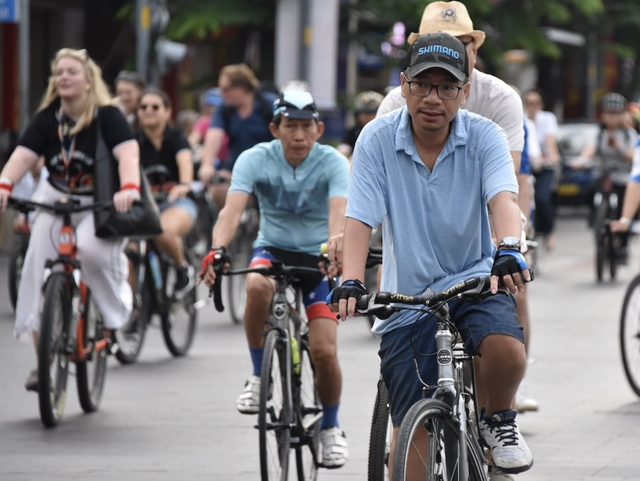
[437,50]
[295,104]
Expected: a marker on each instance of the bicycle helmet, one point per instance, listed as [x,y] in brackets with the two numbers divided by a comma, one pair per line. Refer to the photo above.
[613,102]
[368,102]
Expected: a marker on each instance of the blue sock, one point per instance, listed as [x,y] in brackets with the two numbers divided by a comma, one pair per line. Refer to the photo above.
[256,359]
[329,416]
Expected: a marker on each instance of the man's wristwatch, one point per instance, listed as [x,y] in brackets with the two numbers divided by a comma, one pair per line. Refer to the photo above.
[509,242]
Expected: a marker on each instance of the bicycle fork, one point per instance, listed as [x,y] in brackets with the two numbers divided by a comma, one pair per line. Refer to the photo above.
[448,392]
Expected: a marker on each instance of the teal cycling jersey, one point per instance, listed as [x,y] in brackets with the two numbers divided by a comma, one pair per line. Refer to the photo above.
[294,202]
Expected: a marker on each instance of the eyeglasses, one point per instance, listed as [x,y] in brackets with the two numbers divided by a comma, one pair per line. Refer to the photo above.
[154,107]
[420,88]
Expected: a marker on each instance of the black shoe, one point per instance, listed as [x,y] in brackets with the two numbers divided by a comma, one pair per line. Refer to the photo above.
[32,382]
[185,280]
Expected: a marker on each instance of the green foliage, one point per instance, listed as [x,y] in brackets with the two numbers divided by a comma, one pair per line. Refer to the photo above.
[202,18]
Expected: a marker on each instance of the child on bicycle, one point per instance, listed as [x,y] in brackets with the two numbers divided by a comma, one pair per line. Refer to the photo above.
[426,172]
[301,188]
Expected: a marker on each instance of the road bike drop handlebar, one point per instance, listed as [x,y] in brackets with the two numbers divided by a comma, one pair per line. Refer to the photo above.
[277,270]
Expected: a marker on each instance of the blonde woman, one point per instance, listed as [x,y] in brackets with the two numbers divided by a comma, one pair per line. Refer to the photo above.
[64,131]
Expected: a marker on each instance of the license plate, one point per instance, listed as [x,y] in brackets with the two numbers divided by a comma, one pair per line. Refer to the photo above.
[568,190]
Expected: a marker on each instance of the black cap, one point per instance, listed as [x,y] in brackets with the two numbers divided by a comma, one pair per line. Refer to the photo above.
[295,104]
[437,50]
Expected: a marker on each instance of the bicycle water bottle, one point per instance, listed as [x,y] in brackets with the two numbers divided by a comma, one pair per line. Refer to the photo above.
[154,263]
[295,355]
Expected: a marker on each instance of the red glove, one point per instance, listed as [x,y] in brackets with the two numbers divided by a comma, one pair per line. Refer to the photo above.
[217,257]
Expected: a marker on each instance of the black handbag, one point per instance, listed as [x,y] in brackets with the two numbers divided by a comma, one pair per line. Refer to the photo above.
[142,220]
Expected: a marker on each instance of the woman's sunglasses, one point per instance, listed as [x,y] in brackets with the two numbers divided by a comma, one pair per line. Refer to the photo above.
[154,107]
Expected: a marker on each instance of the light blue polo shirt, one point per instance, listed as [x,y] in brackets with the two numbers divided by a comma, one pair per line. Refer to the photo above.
[436,229]
[294,203]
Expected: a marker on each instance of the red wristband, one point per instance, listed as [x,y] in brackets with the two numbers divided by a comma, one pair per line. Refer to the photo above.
[6,187]
[130,186]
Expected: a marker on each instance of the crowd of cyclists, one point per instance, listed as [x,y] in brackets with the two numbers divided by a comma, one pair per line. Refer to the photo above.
[448,128]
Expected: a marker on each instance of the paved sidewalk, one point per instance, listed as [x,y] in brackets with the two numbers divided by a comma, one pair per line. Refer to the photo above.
[588,426]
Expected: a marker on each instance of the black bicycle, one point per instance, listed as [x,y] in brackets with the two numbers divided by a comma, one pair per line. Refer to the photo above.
[447,418]
[608,243]
[71,327]
[290,411]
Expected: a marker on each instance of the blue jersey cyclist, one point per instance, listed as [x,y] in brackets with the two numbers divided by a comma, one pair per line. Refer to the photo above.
[301,187]
[426,172]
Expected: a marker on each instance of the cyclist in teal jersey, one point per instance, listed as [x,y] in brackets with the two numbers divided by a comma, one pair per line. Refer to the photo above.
[301,187]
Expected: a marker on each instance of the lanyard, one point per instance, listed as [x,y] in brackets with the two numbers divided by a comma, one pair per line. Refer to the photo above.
[66,154]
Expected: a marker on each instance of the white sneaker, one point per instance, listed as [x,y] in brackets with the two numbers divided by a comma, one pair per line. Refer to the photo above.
[509,451]
[335,451]
[249,401]
[524,399]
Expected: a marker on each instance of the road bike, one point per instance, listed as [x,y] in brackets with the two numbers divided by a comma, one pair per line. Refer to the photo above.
[290,411]
[453,450]
[71,327]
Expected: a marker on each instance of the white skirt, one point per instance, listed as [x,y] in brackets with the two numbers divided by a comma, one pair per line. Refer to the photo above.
[104,266]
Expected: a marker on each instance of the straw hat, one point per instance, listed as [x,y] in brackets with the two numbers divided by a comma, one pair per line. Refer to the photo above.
[449,17]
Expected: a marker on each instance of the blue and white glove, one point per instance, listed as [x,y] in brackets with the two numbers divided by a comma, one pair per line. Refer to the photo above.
[508,262]
[348,289]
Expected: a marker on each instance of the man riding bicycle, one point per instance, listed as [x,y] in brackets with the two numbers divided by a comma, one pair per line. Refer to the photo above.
[426,172]
[301,188]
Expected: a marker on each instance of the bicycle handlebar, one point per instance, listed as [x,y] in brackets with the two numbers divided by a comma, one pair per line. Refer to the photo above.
[277,269]
[59,207]
[381,303]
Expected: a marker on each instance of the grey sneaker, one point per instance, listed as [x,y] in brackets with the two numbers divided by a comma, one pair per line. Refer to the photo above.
[31,384]
[509,451]
[335,451]
[249,401]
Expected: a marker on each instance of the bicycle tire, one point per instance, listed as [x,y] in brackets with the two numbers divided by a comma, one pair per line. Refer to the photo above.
[442,454]
[178,319]
[54,348]
[16,261]
[613,256]
[92,372]
[309,414]
[274,414]
[379,441]
[240,252]
[601,239]
[131,337]
[630,334]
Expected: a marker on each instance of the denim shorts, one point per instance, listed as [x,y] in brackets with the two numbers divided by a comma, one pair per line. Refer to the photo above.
[495,315]
[184,203]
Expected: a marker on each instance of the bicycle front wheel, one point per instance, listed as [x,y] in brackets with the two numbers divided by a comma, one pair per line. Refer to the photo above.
[236,285]
[274,416]
[310,416]
[54,348]
[178,319]
[630,334]
[380,436]
[92,372]
[131,337]
[427,446]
